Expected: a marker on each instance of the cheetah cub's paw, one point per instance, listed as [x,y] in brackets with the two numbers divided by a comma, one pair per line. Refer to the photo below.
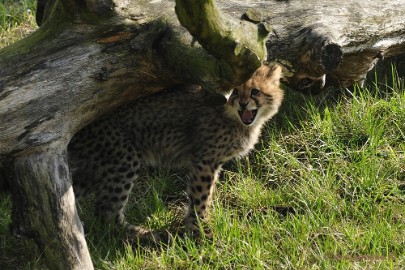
[197,230]
[137,235]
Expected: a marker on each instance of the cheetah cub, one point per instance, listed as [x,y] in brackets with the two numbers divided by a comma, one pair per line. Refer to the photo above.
[171,129]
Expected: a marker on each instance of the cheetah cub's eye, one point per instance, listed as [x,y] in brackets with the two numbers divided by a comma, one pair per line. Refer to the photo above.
[234,92]
[255,91]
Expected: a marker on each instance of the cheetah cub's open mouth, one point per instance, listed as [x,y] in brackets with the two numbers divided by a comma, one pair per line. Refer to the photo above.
[247,116]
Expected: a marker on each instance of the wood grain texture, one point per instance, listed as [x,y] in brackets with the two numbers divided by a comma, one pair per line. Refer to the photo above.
[44,209]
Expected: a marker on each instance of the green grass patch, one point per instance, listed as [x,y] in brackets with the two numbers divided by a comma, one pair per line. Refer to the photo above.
[17,20]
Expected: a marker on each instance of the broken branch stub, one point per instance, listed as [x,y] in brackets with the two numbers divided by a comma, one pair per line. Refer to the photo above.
[318,52]
[234,42]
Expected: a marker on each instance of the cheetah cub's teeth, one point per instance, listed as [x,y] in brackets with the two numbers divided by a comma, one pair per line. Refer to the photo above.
[247,116]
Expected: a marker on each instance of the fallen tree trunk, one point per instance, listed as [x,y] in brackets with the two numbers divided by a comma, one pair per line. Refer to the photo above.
[92,56]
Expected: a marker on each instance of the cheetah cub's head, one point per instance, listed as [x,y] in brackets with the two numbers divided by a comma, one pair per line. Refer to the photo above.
[258,99]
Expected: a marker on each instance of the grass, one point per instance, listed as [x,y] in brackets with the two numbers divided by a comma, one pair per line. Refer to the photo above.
[325,189]
[17,19]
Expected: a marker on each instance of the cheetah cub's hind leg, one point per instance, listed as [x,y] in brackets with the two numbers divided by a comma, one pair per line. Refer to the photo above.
[124,167]
[200,188]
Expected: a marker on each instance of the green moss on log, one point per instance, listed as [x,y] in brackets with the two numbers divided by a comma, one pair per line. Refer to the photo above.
[233,42]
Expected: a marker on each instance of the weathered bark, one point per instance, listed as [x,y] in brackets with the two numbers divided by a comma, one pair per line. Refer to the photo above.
[43,190]
[362,32]
[91,56]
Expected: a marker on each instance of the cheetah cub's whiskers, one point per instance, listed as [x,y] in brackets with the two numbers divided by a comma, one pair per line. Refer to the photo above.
[172,129]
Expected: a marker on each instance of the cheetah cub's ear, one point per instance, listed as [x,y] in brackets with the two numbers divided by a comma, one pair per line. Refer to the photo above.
[275,73]
[272,72]
[268,77]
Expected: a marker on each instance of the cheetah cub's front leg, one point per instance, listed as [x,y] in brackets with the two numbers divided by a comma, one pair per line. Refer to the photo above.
[200,189]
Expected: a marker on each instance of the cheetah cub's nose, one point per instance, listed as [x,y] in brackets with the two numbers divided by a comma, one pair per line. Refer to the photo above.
[243,105]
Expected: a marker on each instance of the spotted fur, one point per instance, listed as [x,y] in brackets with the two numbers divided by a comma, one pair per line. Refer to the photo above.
[172,129]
